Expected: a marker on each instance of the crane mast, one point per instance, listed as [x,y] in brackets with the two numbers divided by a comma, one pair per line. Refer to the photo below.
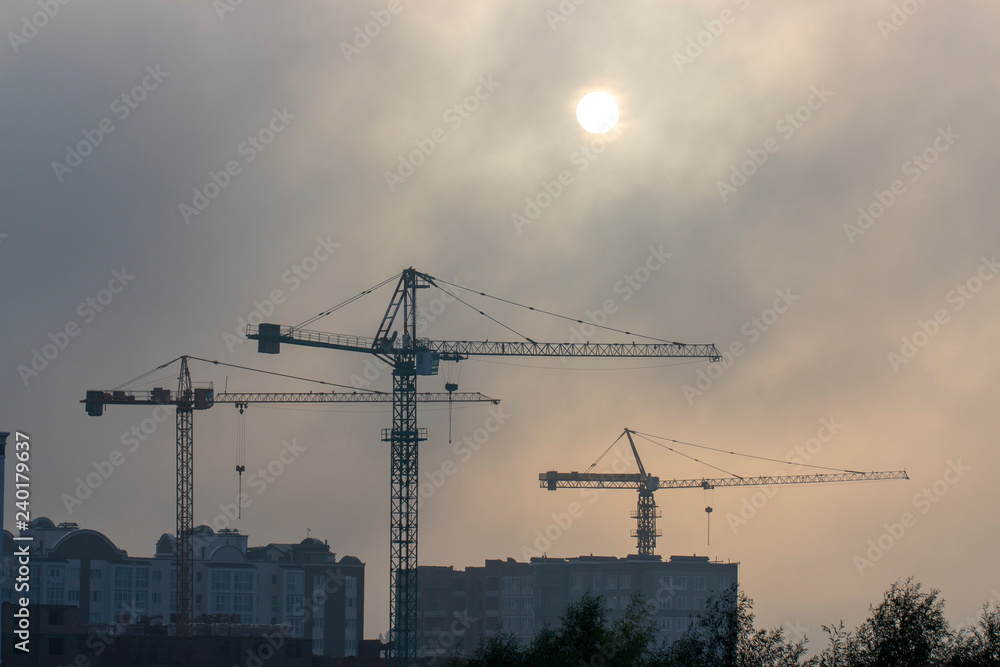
[409,357]
[189,398]
[646,511]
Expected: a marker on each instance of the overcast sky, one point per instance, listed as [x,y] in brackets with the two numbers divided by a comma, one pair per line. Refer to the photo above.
[177,164]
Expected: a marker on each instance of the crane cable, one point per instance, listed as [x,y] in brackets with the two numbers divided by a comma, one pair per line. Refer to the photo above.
[749,456]
[546,312]
[462,301]
[294,377]
[241,454]
[347,302]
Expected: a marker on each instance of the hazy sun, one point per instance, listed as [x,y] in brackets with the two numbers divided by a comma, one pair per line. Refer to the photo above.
[597,112]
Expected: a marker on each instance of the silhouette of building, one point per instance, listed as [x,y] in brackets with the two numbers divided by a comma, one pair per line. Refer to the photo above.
[302,587]
[459,608]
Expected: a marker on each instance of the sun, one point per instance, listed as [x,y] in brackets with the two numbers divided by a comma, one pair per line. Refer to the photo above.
[597,112]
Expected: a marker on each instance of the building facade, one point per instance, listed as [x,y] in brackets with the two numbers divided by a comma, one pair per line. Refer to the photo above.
[302,586]
[459,608]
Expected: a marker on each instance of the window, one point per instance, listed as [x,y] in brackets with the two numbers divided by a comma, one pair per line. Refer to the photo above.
[56,574]
[141,601]
[667,583]
[74,574]
[350,624]
[699,604]
[221,581]
[682,583]
[626,581]
[54,596]
[317,625]
[243,581]
[510,584]
[157,576]
[142,577]
[243,605]
[294,582]
[527,603]
[293,603]
[509,604]
[274,604]
[317,647]
[597,582]
[576,582]
[667,602]
[220,603]
[666,624]
[95,617]
[73,596]
[612,582]
[699,583]
[527,583]
[123,601]
[95,575]
[682,624]
[197,576]
[123,577]
[157,598]
[95,596]
[682,604]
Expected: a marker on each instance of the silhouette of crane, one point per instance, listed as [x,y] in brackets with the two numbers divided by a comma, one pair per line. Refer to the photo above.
[646,511]
[189,398]
[409,357]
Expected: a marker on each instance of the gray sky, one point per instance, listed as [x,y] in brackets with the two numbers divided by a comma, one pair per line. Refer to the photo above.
[750,135]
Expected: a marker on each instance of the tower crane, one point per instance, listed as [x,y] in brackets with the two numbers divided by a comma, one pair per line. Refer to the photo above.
[410,357]
[646,511]
[189,398]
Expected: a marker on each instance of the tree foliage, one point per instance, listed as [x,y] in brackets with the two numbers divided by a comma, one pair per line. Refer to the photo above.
[906,629]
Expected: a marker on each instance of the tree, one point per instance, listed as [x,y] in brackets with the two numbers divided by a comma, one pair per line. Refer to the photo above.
[978,646]
[724,636]
[907,629]
[500,650]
